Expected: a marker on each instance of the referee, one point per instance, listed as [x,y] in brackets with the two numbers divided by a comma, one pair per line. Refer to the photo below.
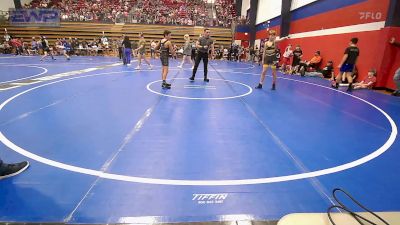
[203,45]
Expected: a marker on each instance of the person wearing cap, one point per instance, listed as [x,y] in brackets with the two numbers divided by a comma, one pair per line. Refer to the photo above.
[270,58]
[368,82]
[313,63]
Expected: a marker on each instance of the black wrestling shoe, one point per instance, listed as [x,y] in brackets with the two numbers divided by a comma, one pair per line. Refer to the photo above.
[273,87]
[206,79]
[259,86]
[191,78]
[350,88]
[166,86]
[9,170]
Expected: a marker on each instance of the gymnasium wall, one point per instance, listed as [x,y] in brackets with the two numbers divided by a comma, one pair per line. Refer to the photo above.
[272,8]
[267,10]
[242,33]
[245,7]
[328,25]
[389,56]
[5,5]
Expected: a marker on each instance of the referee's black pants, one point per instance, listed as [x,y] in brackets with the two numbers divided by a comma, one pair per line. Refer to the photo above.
[199,56]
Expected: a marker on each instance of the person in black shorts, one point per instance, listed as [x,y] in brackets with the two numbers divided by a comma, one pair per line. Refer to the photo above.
[121,48]
[348,63]
[165,46]
[46,48]
[270,58]
[297,55]
[202,45]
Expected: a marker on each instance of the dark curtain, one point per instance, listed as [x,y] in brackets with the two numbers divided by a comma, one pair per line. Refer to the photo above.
[393,18]
[285,17]
[17,4]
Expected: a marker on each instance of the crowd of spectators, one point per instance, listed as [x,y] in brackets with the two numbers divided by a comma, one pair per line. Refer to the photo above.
[174,12]
[225,11]
[87,10]
[168,12]
[97,46]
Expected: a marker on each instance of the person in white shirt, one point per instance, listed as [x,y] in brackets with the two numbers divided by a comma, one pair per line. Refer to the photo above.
[286,59]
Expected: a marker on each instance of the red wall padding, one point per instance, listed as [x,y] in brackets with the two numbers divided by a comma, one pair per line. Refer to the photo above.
[390,57]
[242,36]
[375,52]
[263,34]
[366,12]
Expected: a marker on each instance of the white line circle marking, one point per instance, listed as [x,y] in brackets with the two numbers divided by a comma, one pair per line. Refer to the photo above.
[36,75]
[193,98]
[118,177]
